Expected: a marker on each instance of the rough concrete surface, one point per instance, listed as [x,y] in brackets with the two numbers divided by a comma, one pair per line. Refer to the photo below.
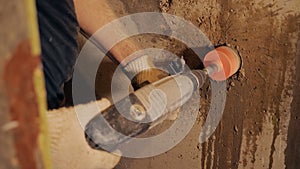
[260,124]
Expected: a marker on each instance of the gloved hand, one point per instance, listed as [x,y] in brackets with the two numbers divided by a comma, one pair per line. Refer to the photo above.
[69,148]
[142,71]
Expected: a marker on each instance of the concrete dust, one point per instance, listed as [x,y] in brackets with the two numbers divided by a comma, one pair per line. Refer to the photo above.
[164,5]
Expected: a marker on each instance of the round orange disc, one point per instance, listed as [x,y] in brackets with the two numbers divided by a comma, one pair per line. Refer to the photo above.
[227,59]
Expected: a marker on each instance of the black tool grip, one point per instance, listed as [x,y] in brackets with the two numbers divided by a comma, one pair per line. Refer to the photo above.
[110,128]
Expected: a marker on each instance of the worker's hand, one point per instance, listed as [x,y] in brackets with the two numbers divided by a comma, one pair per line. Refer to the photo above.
[69,148]
[142,71]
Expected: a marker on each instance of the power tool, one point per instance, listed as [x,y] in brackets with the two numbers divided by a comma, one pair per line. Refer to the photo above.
[151,104]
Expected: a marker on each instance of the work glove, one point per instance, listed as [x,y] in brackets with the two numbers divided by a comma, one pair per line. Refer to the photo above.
[69,148]
[142,72]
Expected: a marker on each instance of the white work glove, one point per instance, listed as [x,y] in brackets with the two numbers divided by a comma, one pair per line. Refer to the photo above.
[142,71]
[69,148]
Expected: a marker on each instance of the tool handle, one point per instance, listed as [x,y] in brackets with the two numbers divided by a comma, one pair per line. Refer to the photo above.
[110,128]
[141,110]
